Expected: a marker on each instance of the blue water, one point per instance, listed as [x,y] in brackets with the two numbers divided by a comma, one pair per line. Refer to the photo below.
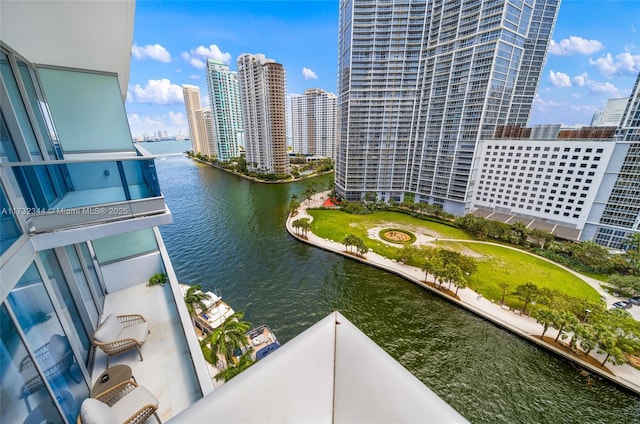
[228,235]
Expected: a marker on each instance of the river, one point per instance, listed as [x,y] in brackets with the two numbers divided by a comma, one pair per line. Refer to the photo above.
[228,235]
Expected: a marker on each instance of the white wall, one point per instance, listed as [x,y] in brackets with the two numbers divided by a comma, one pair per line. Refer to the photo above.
[123,274]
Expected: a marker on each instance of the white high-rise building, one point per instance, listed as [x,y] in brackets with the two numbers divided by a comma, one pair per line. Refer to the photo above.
[611,116]
[421,83]
[226,111]
[263,93]
[314,123]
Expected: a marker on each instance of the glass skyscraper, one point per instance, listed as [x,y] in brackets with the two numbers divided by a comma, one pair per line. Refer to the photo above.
[226,112]
[421,83]
[621,213]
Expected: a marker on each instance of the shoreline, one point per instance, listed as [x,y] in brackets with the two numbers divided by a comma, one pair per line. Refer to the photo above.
[258,180]
[525,327]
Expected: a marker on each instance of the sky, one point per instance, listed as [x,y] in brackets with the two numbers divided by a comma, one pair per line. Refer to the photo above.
[594,54]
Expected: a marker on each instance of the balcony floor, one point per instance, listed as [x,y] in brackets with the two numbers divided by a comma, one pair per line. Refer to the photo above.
[167,370]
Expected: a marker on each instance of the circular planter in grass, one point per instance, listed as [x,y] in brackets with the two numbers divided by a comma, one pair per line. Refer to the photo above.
[395,235]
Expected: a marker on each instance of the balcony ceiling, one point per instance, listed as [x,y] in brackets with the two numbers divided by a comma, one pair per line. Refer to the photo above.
[85,34]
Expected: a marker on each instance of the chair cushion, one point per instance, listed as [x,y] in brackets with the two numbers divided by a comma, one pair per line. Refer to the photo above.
[138,332]
[93,411]
[109,330]
[126,407]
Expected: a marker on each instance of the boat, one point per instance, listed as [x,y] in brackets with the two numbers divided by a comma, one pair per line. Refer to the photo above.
[215,313]
[262,340]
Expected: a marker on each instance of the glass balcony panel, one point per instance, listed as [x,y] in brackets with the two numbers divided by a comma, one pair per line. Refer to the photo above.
[44,335]
[141,179]
[127,245]
[9,230]
[80,184]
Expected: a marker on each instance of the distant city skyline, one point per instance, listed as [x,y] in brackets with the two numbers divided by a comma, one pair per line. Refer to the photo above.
[594,55]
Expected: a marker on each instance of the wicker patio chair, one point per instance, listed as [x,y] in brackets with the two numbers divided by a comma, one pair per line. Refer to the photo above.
[120,333]
[126,403]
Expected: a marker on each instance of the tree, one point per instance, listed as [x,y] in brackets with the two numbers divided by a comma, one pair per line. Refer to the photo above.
[546,317]
[301,224]
[355,241]
[526,292]
[608,346]
[195,301]
[230,336]
[409,253]
[308,192]
[592,255]
[588,338]
[562,320]
[521,232]
[361,246]
[231,371]
[625,283]
[305,225]
[541,236]
[452,274]
[294,204]
[431,262]
[504,287]
[350,240]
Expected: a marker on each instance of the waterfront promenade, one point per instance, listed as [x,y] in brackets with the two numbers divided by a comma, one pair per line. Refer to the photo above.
[524,326]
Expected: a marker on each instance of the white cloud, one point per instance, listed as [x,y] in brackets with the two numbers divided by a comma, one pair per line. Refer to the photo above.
[309,74]
[151,51]
[172,122]
[159,92]
[581,79]
[198,57]
[542,104]
[624,64]
[595,87]
[560,79]
[194,77]
[574,45]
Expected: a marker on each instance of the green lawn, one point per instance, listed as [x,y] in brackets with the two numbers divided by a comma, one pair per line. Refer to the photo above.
[496,264]
[335,225]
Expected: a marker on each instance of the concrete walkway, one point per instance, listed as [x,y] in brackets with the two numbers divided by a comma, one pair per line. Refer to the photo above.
[523,326]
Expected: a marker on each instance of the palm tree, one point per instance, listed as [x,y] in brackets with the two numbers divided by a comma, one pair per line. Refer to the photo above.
[244,362]
[350,240]
[302,224]
[195,298]
[230,336]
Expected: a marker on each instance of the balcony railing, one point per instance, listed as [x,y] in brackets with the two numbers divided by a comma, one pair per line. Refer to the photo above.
[71,192]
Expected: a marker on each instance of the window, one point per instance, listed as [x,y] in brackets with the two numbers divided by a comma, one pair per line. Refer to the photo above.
[28,300]
[98,120]
[113,248]
[10,229]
